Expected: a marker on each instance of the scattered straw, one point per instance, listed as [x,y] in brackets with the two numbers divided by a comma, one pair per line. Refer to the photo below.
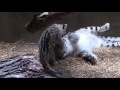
[108,65]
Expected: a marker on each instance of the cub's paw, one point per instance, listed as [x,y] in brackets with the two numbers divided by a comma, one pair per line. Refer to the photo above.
[89,57]
[105,27]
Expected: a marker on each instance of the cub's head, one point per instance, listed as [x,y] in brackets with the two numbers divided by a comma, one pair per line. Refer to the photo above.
[73,37]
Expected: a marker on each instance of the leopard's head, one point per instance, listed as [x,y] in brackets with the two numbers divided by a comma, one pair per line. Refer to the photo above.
[61,29]
[73,37]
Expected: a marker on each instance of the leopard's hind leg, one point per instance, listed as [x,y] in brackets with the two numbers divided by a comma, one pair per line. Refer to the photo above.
[96,29]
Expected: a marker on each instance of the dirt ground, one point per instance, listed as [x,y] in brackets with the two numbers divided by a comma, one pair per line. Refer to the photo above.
[108,65]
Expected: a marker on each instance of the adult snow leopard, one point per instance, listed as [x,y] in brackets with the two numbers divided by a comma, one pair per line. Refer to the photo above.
[49,41]
[82,42]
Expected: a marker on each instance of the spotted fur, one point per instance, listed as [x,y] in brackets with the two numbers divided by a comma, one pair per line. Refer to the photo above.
[49,39]
[96,29]
[82,42]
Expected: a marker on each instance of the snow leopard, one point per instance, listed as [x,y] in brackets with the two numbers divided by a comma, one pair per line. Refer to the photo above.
[48,43]
[82,42]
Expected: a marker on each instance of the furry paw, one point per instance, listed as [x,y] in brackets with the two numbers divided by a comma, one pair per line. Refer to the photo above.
[105,27]
[89,57]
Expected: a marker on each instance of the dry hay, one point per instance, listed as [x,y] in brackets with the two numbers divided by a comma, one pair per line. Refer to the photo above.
[18,48]
[108,65]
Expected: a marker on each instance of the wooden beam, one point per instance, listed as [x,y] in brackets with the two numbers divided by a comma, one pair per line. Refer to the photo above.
[41,21]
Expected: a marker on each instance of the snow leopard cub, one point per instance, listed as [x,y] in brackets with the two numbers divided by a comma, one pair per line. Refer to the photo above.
[82,42]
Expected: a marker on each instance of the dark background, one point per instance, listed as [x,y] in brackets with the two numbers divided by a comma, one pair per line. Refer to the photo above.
[12,24]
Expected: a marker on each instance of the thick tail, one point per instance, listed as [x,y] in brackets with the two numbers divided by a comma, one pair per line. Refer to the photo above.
[49,70]
[112,39]
[111,42]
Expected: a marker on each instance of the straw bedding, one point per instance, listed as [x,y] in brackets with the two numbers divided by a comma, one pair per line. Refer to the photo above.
[108,65]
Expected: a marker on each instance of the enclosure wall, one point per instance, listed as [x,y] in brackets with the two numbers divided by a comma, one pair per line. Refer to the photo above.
[12,24]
